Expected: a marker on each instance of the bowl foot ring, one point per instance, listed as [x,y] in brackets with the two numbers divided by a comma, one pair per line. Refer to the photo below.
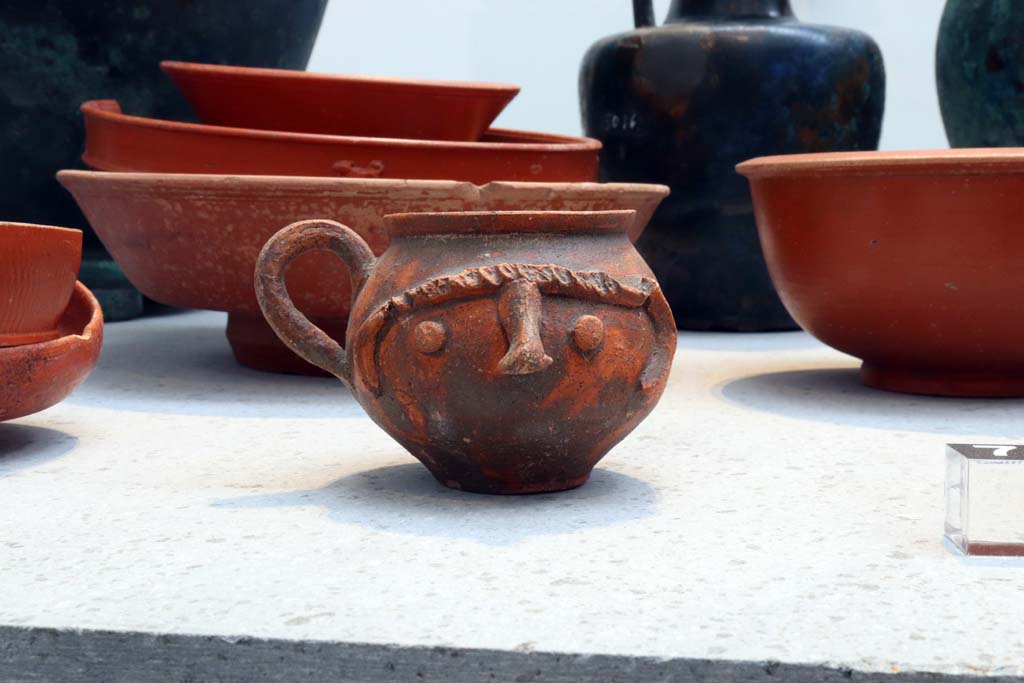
[944,382]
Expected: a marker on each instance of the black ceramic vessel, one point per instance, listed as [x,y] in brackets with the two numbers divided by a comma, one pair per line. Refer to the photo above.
[723,81]
[55,54]
[979,69]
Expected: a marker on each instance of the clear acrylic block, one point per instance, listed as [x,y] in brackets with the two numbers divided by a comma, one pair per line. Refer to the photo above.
[985,499]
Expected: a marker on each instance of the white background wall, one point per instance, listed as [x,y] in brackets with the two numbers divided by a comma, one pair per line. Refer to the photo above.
[538,44]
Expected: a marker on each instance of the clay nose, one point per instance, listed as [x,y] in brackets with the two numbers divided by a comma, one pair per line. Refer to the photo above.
[519,308]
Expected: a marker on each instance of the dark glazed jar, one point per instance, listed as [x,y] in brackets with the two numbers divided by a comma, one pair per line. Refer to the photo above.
[721,82]
[56,54]
[979,69]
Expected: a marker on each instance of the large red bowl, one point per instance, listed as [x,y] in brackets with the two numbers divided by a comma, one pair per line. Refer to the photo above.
[910,261]
[34,377]
[117,142]
[303,102]
[192,240]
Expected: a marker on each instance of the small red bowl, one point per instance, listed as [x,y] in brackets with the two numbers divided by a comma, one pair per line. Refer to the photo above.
[302,102]
[37,376]
[38,267]
[117,142]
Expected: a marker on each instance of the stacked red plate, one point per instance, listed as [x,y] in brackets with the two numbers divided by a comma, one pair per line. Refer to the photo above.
[278,146]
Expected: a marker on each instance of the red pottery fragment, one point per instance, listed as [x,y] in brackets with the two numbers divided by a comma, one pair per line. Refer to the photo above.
[38,267]
[508,352]
[304,102]
[34,377]
[910,261]
[211,227]
[118,142]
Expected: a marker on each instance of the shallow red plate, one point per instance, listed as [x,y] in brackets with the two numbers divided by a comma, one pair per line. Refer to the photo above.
[302,102]
[118,142]
[34,377]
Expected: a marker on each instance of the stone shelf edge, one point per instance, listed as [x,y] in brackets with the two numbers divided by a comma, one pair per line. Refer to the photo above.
[88,656]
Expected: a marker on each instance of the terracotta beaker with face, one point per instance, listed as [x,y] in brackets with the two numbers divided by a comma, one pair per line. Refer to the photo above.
[507,351]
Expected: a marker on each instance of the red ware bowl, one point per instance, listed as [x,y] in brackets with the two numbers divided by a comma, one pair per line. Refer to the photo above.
[910,261]
[37,376]
[192,240]
[117,142]
[303,102]
[38,266]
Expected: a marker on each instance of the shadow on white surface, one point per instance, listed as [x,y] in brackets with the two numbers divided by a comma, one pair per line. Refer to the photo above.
[183,365]
[24,446]
[746,341]
[406,499]
[835,395]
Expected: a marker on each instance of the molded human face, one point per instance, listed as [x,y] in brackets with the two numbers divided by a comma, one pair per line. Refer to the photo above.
[469,373]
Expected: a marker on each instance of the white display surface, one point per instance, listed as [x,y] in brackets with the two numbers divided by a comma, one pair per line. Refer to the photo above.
[770,508]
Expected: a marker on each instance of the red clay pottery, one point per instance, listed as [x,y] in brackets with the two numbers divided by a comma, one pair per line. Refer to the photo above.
[910,261]
[34,377]
[56,54]
[302,102]
[507,351]
[117,142]
[38,266]
[212,227]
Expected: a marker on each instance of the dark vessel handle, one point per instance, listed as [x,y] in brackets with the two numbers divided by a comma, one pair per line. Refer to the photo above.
[643,13]
[293,328]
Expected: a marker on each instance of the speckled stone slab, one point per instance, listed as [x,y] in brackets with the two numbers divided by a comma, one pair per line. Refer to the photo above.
[771,518]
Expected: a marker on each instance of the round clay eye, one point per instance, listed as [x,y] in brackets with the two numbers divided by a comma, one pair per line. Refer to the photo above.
[588,333]
[429,337]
